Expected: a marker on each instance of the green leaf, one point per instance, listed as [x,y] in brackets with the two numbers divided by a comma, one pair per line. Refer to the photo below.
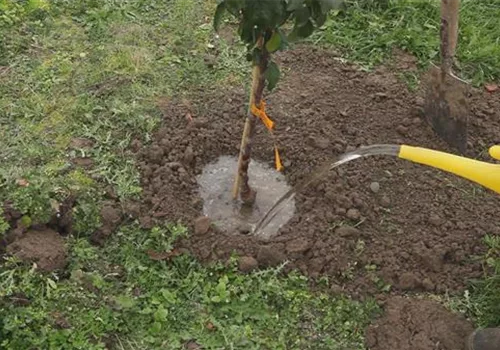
[246,31]
[51,283]
[26,221]
[265,14]
[305,30]
[272,75]
[125,302]
[320,19]
[300,32]
[327,5]
[160,315]
[156,328]
[318,15]
[169,296]
[274,43]
[294,5]
[234,6]
[219,12]
[302,15]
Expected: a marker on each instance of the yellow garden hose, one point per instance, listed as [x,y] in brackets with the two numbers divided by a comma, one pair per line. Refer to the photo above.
[485,174]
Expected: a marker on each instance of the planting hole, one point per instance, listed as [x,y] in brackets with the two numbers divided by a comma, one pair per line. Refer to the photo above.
[216,183]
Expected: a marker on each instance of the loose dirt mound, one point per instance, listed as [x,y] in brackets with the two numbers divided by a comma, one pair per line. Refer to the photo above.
[412,324]
[415,229]
[45,248]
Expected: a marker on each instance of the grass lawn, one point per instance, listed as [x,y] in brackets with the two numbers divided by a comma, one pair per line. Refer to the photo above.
[96,70]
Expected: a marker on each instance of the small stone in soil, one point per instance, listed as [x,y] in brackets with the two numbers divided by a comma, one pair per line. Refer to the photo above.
[298,245]
[338,148]
[270,257]
[247,264]
[322,143]
[353,214]
[385,202]
[340,211]
[202,225]
[146,222]
[347,231]
[244,229]
[428,285]
[401,129]
[336,289]
[435,220]
[406,122]
[188,155]
[375,187]
[408,281]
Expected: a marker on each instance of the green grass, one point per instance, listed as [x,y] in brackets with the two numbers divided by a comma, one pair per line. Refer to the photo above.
[482,301]
[96,69]
[368,31]
[118,294]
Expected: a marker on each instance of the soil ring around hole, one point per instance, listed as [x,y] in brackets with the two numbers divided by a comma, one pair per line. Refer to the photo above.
[416,234]
[410,324]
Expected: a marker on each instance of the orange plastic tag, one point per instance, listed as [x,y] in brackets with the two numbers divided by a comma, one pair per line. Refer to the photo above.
[260,112]
[277,159]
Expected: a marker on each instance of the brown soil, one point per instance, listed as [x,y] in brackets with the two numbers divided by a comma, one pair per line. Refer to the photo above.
[80,142]
[412,324]
[83,162]
[418,232]
[111,217]
[45,247]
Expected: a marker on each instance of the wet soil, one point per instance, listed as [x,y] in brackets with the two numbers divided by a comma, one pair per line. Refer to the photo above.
[413,324]
[419,231]
[215,188]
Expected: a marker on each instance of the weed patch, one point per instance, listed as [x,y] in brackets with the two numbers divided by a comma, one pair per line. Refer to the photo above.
[120,295]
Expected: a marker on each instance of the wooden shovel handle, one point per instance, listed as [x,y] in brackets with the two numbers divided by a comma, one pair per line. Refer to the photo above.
[449,32]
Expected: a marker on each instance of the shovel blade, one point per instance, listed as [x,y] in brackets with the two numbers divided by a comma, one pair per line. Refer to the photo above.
[447,111]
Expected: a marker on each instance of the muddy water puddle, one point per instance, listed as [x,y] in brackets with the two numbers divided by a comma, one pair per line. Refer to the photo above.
[215,188]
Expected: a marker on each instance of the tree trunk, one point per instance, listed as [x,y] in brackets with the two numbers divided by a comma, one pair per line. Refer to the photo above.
[449,33]
[241,185]
[453,19]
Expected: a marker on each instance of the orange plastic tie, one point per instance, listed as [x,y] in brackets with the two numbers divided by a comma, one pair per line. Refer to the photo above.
[277,159]
[260,112]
